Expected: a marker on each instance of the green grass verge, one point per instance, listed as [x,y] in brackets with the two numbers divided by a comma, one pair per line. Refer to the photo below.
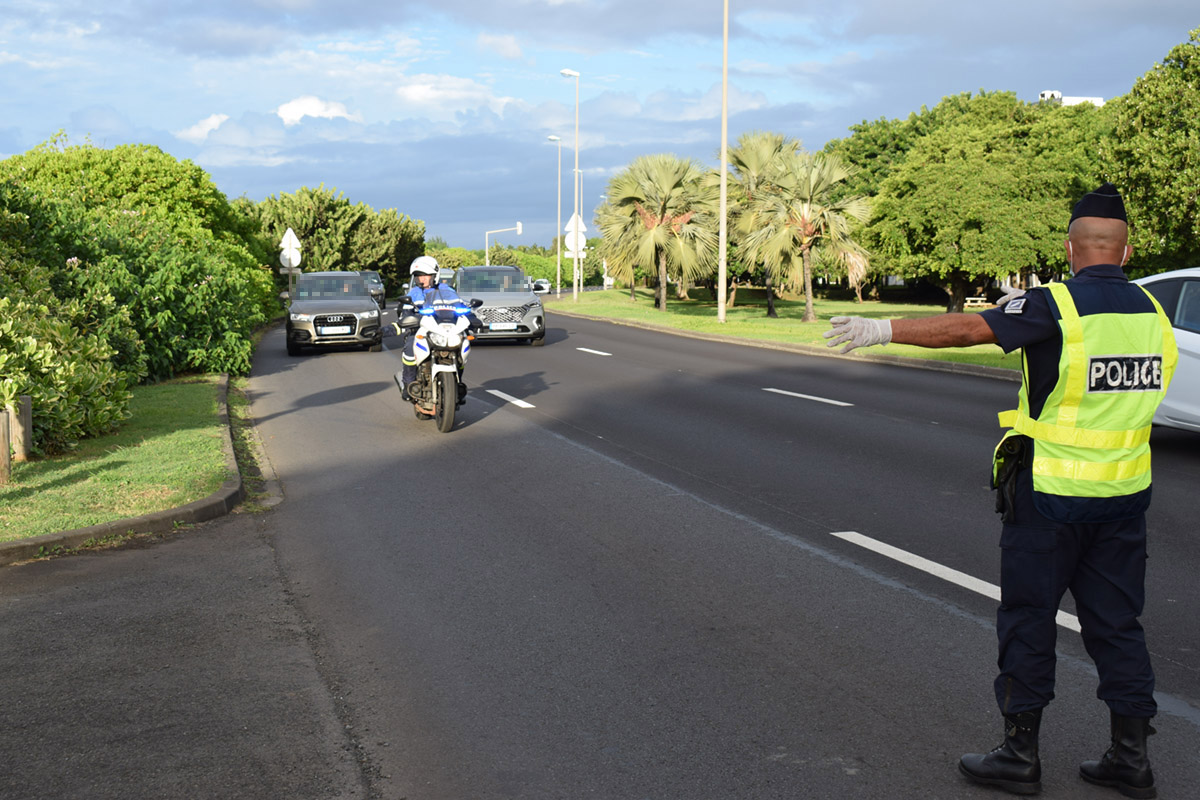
[168,454]
[748,320]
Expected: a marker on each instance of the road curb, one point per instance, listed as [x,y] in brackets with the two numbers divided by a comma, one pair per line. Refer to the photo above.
[216,504]
[998,373]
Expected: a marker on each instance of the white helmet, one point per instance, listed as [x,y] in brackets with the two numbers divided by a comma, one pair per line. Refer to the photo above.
[424,265]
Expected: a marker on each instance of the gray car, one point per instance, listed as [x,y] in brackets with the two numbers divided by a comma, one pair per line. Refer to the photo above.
[329,309]
[510,310]
[375,286]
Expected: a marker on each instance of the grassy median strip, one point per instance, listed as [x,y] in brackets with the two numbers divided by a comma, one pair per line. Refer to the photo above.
[748,320]
[169,453]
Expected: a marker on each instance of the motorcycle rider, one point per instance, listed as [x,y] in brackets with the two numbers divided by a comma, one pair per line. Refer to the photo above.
[426,290]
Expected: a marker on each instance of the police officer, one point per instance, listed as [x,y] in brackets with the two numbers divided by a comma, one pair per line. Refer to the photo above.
[1072,474]
[427,290]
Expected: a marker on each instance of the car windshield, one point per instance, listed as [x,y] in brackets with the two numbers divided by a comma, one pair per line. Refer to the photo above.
[329,286]
[491,280]
[372,277]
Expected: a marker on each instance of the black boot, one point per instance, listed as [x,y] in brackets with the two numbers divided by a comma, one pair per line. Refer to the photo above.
[408,374]
[1014,765]
[1126,765]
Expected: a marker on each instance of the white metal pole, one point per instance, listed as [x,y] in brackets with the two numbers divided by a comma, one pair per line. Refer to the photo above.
[558,241]
[578,247]
[722,239]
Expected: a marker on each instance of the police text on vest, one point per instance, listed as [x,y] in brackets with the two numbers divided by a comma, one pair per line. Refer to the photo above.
[1125,374]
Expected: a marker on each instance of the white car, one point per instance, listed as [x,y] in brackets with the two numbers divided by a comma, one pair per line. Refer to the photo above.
[1178,292]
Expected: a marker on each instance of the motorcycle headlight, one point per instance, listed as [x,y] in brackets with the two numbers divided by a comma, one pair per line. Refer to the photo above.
[373,314]
[438,338]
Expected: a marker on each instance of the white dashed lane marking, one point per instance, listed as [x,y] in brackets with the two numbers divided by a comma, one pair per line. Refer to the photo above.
[810,397]
[1068,621]
[508,398]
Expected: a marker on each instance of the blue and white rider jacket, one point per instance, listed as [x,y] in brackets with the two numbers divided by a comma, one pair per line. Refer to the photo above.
[440,295]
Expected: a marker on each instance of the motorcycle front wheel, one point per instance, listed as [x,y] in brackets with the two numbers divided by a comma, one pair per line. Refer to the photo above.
[447,401]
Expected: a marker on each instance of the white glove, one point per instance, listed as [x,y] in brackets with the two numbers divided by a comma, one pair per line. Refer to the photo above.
[1010,293]
[858,332]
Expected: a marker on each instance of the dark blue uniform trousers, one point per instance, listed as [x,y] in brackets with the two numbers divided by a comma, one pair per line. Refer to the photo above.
[1104,566]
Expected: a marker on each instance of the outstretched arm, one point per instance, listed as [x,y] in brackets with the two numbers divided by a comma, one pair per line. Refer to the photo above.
[944,330]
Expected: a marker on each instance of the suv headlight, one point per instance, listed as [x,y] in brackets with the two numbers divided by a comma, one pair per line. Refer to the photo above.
[373,314]
[301,317]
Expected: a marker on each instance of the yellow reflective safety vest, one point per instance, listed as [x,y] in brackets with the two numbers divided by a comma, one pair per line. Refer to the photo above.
[1091,437]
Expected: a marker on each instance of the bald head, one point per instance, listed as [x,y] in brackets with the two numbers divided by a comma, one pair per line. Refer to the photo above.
[1097,240]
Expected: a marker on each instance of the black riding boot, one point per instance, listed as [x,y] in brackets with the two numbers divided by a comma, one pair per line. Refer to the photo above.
[1126,765]
[408,374]
[1014,765]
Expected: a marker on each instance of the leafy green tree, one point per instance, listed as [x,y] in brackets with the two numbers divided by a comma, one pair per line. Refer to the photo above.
[336,235]
[58,350]
[455,257]
[1155,149]
[148,239]
[987,195]
[758,161]
[659,211]
[798,212]
[130,177]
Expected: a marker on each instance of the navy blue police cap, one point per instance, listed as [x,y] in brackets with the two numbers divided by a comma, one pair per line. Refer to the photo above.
[1103,202]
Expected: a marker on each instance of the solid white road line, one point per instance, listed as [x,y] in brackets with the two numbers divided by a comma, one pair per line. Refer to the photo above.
[1069,621]
[510,399]
[593,352]
[810,397]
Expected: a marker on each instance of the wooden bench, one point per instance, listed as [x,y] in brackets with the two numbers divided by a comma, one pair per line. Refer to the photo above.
[976,302]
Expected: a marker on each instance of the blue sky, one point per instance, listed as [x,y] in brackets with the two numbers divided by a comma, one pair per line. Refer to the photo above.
[442,110]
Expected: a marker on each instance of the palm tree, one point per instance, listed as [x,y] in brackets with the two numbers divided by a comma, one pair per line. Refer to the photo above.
[758,162]
[659,212]
[797,213]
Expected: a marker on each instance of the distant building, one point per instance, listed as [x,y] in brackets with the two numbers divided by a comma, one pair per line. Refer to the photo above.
[1052,96]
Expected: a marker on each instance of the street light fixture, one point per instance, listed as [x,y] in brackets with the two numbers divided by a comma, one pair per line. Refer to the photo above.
[486,255]
[570,73]
[558,223]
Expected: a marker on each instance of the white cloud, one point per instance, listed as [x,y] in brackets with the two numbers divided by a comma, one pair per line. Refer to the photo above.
[503,46]
[438,95]
[200,131]
[309,106]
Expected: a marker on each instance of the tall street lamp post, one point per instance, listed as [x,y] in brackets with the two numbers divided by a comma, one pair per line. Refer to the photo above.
[558,223]
[722,238]
[570,73]
[486,255]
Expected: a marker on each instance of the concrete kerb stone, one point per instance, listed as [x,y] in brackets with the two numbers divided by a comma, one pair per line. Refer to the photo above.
[999,373]
[216,504]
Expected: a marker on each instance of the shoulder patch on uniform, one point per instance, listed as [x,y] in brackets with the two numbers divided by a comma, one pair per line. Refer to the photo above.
[1016,306]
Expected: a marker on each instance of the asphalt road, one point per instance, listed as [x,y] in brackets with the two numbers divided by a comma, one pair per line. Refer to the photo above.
[652,580]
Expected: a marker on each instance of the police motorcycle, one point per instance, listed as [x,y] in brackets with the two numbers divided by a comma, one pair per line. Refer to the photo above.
[442,342]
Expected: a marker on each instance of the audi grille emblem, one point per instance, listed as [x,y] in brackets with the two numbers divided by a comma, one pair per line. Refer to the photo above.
[334,318]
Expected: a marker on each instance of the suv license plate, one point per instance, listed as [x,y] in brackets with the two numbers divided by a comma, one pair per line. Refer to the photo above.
[503,326]
[334,330]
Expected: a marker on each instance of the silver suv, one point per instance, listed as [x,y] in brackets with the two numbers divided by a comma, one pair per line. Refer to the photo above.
[375,286]
[510,310]
[331,309]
